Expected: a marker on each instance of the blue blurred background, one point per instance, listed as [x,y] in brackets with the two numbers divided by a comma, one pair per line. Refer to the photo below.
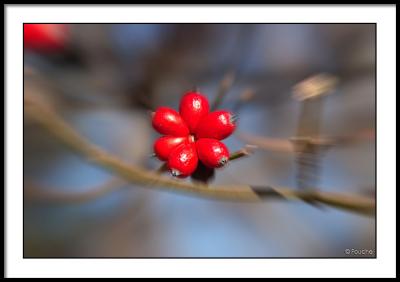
[107,78]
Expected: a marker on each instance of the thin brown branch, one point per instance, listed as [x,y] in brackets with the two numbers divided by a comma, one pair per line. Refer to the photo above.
[49,120]
[266,143]
[243,99]
[38,193]
[315,86]
[244,152]
[364,135]
[225,85]
[297,144]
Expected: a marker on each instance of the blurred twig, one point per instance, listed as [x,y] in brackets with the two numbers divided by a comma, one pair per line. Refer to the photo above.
[51,121]
[310,92]
[224,86]
[244,152]
[294,144]
[36,192]
[267,143]
[315,86]
[244,98]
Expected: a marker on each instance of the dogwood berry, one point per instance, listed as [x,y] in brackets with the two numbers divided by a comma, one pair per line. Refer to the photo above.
[168,121]
[217,125]
[211,152]
[165,144]
[183,160]
[193,108]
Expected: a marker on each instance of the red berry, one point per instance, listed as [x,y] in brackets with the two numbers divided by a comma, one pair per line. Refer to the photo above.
[45,37]
[193,107]
[216,125]
[211,152]
[165,144]
[183,160]
[168,121]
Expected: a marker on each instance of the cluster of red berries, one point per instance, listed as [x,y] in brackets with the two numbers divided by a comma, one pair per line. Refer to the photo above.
[192,135]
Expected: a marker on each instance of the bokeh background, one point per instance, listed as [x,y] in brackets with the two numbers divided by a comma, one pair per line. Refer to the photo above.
[104,78]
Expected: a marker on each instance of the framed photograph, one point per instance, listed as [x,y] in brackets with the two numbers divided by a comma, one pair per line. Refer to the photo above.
[200,141]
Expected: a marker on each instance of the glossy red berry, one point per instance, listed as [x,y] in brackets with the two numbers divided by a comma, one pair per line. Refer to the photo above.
[168,121]
[193,108]
[216,125]
[211,152]
[45,37]
[183,160]
[165,144]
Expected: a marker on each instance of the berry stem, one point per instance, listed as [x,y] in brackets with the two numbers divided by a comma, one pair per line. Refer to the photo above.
[163,168]
[244,152]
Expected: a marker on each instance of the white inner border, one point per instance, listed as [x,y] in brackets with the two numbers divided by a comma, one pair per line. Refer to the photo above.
[383,266]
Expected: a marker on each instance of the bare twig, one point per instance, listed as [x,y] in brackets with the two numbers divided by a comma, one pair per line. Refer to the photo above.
[295,144]
[364,135]
[267,143]
[49,120]
[244,98]
[308,157]
[37,193]
[224,86]
[244,152]
[315,86]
